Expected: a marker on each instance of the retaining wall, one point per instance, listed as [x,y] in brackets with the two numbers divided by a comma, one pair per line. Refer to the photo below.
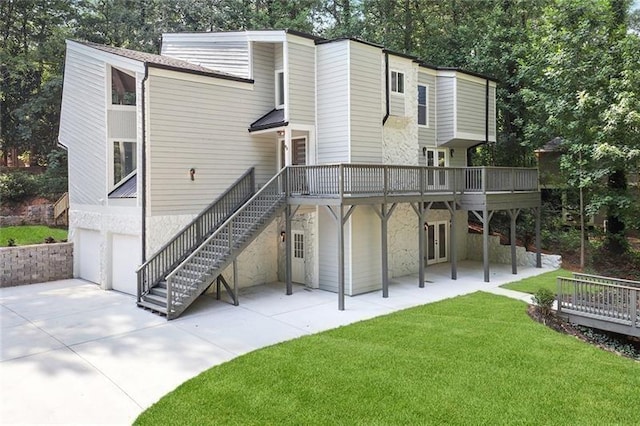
[35,263]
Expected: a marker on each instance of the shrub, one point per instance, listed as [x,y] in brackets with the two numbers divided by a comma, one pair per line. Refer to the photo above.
[54,180]
[544,299]
[17,186]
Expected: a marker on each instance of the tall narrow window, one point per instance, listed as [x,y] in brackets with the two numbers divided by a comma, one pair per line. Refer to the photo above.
[124,160]
[423,105]
[397,82]
[279,89]
[123,88]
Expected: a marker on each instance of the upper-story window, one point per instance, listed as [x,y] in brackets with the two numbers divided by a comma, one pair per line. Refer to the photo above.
[279,89]
[123,88]
[397,82]
[124,160]
[423,105]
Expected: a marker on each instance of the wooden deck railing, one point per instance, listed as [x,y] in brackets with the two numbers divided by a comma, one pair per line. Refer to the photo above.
[61,209]
[601,299]
[367,179]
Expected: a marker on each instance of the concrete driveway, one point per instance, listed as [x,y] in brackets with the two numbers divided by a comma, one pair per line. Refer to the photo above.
[74,354]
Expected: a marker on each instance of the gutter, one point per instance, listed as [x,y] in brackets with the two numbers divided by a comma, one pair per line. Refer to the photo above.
[486,113]
[386,91]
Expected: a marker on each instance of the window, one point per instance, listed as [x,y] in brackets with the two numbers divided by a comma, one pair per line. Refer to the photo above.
[423,105]
[124,160]
[397,82]
[279,89]
[123,88]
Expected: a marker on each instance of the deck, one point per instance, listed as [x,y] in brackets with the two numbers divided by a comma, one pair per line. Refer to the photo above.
[601,302]
[471,188]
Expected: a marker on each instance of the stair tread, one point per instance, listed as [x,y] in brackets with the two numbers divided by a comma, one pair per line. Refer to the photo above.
[153,307]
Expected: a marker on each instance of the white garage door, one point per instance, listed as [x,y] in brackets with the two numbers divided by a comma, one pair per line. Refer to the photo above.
[125,259]
[87,251]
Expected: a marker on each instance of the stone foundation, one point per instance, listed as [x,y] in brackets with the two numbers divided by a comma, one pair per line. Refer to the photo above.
[35,263]
[502,254]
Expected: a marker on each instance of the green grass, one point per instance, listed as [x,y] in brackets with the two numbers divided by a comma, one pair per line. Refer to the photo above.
[533,284]
[476,359]
[35,234]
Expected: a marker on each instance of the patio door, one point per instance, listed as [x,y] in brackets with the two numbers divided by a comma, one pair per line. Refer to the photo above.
[297,257]
[437,241]
[437,179]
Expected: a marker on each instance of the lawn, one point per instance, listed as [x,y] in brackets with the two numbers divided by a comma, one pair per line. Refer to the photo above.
[36,234]
[475,359]
[533,284]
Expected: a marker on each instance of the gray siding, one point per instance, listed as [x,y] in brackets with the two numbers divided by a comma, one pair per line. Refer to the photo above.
[82,127]
[396,104]
[122,124]
[333,102]
[186,131]
[471,107]
[427,135]
[264,76]
[302,77]
[445,112]
[366,72]
[328,252]
[228,56]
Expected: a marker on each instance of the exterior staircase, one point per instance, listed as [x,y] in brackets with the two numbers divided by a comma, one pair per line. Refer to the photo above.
[201,264]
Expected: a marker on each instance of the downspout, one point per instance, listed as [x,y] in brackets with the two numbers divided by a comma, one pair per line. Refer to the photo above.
[386,85]
[143,166]
[486,115]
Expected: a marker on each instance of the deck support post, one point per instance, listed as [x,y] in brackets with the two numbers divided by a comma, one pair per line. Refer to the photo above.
[287,249]
[513,214]
[384,216]
[538,239]
[421,210]
[341,218]
[452,240]
[235,283]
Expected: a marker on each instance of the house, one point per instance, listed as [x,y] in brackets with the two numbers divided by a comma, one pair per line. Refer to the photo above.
[256,156]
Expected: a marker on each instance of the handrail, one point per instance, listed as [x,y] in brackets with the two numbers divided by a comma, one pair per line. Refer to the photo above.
[231,240]
[172,252]
[61,205]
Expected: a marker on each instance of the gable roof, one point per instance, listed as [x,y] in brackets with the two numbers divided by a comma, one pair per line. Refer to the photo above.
[164,62]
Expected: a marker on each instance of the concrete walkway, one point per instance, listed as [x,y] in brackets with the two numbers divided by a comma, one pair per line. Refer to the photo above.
[74,354]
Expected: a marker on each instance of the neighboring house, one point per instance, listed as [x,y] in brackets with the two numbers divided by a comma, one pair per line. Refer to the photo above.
[358,156]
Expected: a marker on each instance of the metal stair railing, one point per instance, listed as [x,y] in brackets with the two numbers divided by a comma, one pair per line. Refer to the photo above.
[195,273]
[191,236]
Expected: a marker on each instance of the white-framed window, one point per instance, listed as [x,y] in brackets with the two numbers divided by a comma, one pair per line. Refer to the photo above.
[279,85]
[123,160]
[423,105]
[397,82]
[123,87]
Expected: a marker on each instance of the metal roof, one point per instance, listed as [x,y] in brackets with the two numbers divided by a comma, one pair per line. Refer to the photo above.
[272,119]
[127,190]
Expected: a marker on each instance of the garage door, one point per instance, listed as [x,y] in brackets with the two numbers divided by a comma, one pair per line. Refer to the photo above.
[87,251]
[125,258]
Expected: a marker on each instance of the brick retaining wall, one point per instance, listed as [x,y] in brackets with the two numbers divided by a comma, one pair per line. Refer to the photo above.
[35,263]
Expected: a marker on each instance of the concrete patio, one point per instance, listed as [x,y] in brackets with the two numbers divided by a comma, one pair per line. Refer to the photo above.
[74,354]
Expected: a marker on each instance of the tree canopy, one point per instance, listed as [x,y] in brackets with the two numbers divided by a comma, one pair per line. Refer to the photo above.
[566,68]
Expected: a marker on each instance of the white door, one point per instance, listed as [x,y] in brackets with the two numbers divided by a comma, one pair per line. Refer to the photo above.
[297,257]
[437,241]
[125,259]
[87,251]
[437,180]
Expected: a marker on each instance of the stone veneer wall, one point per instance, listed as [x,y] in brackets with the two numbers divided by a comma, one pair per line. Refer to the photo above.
[36,215]
[499,253]
[35,263]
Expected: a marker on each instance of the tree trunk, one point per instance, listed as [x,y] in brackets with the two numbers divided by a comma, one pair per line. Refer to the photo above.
[615,238]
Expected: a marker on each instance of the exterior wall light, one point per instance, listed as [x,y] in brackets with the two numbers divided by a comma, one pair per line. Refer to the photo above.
[283,236]
[192,173]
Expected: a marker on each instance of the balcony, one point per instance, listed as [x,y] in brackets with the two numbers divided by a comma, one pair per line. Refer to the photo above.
[474,188]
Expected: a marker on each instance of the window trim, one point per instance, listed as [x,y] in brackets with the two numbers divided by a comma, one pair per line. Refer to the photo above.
[279,87]
[399,83]
[426,106]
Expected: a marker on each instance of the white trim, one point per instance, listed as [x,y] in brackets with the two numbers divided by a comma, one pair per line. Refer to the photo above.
[250,59]
[349,100]
[287,71]
[404,82]
[276,93]
[267,36]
